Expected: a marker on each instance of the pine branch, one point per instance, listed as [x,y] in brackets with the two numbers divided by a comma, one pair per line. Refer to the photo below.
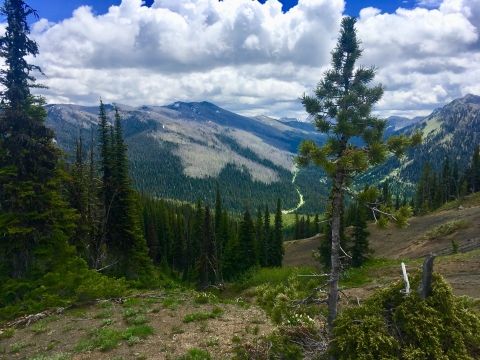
[373,208]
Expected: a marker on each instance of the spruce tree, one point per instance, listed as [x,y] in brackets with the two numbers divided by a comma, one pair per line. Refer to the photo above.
[266,234]
[219,236]
[277,249]
[126,246]
[247,253]
[308,227]
[316,225]
[472,173]
[197,232]
[297,227]
[344,95]
[259,233]
[34,220]
[360,249]
[207,267]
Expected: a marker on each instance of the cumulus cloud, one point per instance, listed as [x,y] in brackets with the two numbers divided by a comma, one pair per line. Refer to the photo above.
[253,58]
[426,57]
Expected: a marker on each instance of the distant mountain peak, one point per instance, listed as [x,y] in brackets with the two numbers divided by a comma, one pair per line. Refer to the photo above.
[468,99]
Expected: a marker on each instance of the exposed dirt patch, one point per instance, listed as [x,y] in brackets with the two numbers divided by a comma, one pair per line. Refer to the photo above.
[172,337]
[407,243]
[299,252]
[462,271]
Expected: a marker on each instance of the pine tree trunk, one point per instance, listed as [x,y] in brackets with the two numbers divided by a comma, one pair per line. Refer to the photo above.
[335,271]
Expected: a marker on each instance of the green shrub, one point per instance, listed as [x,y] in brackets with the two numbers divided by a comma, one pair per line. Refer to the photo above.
[131,302]
[68,283]
[390,325]
[103,315]
[57,356]
[20,345]
[195,354]
[277,301]
[199,316]
[104,339]
[39,327]
[205,297]
[7,333]
[454,246]
[446,229]
[277,345]
[141,331]
[212,342]
[137,320]
[273,276]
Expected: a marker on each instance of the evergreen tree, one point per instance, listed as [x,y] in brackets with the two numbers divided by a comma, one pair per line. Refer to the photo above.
[446,181]
[197,233]
[360,248]
[34,220]
[301,228]
[222,240]
[308,227]
[179,251]
[343,94]
[78,198]
[246,254]
[455,186]
[277,251]
[207,267]
[297,227]
[472,174]
[266,235]
[316,225]
[259,234]
[425,185]
[124,239]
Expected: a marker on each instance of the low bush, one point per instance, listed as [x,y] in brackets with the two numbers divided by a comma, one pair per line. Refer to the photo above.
[390,325]
[195,354]
[66,284]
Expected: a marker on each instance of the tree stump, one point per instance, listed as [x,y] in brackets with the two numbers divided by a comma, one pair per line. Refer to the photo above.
[425,287]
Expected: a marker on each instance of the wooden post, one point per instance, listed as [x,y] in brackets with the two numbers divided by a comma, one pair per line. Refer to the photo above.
[425,287]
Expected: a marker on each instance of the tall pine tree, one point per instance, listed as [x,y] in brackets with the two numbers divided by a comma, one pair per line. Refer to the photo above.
[34,220]
[277,249]
[343,94]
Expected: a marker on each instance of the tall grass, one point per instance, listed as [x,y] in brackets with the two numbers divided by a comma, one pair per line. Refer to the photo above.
[273,276]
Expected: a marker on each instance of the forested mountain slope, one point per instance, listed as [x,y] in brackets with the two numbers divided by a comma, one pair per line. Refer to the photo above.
[452,131]
[180,151]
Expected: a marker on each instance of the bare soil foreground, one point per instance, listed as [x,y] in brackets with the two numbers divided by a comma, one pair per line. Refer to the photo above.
[161,326]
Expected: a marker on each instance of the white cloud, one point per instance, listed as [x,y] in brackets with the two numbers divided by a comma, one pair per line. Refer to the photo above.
[251,57]
[429,3]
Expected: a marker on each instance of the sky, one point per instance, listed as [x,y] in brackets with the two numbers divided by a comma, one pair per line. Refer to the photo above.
[252,57]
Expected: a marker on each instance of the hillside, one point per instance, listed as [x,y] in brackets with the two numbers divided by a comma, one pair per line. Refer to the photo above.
[429,233]
[182,150]
[452,131]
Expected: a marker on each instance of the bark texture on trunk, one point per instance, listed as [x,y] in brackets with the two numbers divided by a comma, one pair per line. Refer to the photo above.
[425,287]
[335,271]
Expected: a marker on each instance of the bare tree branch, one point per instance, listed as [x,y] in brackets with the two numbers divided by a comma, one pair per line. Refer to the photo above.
[310,298]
